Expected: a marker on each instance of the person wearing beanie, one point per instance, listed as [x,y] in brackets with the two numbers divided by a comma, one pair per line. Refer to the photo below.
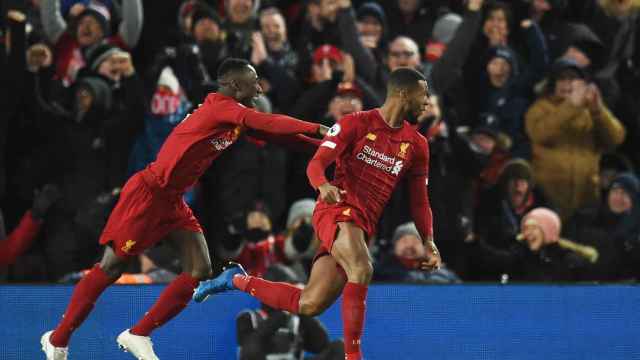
[506,85]
[95,99]
[210,47]
[91,26]
[109,61]
[501,208]
[533,254]
[570,128]
[540,227]
[402,264]
[266,332]
[212,23]
[611,165]
[613,228]
[371,22]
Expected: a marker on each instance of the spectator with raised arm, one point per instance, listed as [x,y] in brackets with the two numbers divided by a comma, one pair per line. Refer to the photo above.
[90,26]
[275,60]
[570,128]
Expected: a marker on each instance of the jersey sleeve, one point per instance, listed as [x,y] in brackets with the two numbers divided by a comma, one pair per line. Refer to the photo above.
[19,239]
[276,123]
[418,177]
[341,135]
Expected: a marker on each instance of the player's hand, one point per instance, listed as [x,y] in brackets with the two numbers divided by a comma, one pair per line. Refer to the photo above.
[323,130]
[432,261]
[330,194]
[259,49]
[593,98]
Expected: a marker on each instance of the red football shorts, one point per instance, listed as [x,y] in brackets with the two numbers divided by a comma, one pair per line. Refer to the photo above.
[325,222]
[144,215]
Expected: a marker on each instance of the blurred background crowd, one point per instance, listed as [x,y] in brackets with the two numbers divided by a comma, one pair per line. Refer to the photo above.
[534,133]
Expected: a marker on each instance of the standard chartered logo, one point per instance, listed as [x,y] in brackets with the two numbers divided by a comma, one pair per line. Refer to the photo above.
[380,160]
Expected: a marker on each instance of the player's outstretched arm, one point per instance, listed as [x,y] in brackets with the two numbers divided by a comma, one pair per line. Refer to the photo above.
[280,124]
[295,142]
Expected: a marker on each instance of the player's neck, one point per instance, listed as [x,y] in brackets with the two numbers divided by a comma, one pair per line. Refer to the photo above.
[392,113]
[226,92]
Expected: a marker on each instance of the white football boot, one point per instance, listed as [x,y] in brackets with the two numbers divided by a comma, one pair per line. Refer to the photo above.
[52,352]
[140,347]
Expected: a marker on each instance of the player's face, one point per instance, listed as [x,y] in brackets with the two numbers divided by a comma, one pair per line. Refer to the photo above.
[418,102]
[248,87]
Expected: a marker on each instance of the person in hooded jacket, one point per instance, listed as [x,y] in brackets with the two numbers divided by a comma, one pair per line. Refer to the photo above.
[615,23]
[570,128]
[501,209]
[87,154]
[613,228]
[507,86]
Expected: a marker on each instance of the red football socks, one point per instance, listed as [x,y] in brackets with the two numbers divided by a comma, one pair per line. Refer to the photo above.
[82,301]
[173,299]
[353,308]
[278,295]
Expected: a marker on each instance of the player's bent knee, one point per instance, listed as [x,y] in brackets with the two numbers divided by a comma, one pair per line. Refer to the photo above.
[360,272]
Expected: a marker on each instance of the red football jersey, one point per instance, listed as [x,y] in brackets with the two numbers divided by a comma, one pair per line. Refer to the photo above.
[204,134]
[371,158]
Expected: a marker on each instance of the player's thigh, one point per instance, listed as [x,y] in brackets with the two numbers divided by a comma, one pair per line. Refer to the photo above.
[325,283]
[194,252]
[350,249]
[112,264]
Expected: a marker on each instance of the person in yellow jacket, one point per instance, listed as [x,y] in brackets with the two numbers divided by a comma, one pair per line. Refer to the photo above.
[570,128]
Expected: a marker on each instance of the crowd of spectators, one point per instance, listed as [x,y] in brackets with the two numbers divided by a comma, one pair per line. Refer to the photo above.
[534,131]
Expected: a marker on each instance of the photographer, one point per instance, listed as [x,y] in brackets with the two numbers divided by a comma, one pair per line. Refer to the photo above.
[266,333]
[257,248]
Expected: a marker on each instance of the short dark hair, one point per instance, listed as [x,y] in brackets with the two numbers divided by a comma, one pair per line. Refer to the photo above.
[404,79]
[232,65]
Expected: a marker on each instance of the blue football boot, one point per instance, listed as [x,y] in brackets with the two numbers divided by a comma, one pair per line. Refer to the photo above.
[222,283]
